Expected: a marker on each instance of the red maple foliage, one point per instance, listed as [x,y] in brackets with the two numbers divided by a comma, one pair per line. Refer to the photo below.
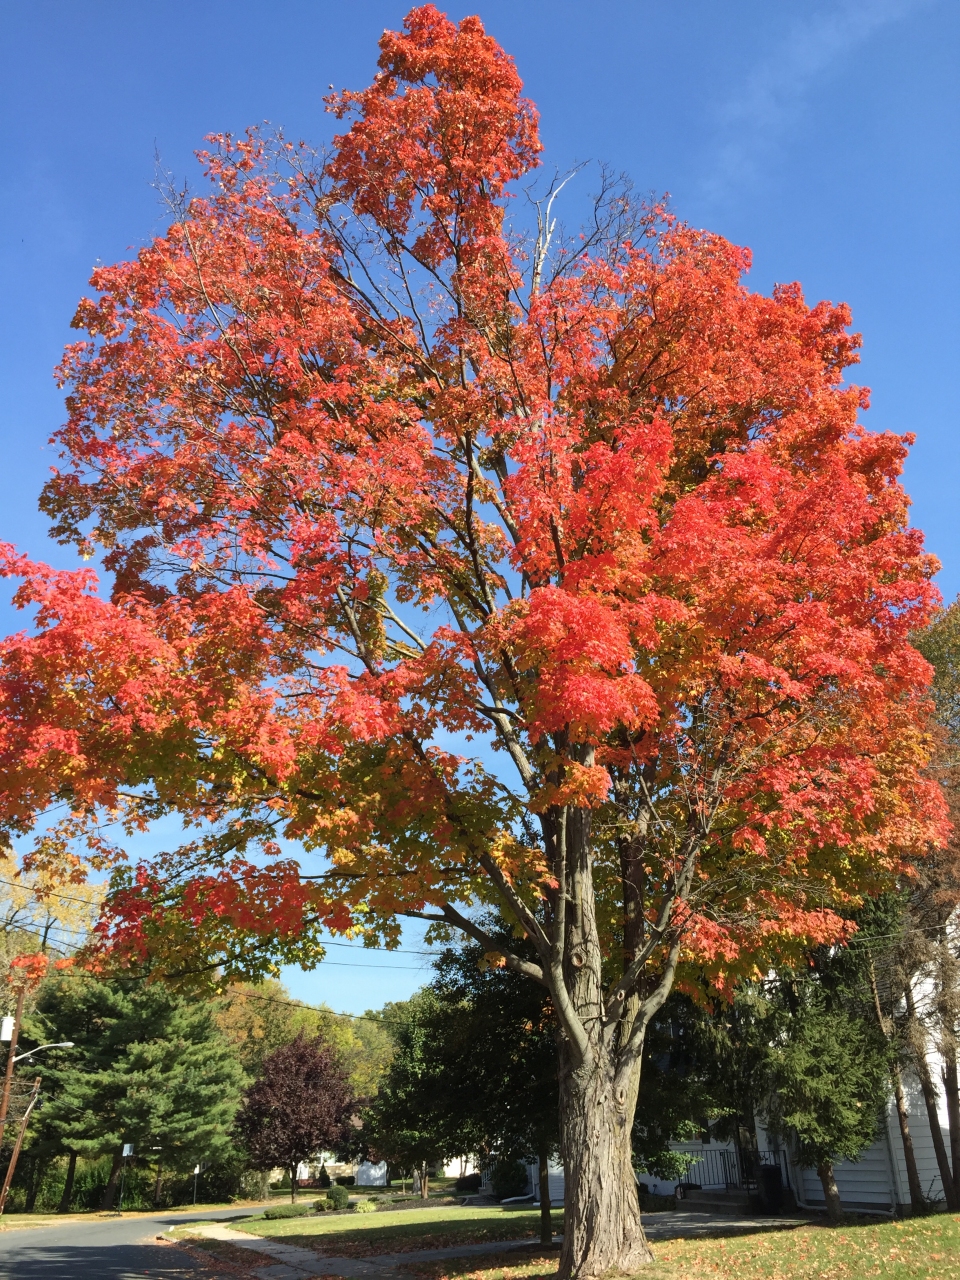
[376,476]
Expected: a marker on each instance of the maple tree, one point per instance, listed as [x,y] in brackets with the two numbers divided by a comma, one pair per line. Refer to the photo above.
[299,1106]
[378,476]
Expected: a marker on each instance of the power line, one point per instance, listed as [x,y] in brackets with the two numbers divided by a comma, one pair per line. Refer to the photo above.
[65,897]
[299,1004]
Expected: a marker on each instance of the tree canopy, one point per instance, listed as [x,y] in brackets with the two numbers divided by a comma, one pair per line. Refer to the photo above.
[147,1068]
[378,468]
[299,1106]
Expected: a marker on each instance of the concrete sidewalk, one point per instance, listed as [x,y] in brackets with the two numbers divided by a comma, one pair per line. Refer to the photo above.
[294,1263]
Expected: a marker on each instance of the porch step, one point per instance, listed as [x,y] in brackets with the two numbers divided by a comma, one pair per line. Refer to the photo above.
[715,1201]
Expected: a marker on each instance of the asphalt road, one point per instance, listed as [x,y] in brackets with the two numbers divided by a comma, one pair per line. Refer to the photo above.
[104,1249]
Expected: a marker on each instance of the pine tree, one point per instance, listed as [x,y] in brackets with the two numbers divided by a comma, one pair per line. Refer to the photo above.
[828,1079]
[148,1068]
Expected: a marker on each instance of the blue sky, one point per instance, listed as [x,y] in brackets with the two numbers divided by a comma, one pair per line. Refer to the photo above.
[821,133]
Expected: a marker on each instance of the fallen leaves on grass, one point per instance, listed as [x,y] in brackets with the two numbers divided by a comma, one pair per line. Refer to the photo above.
[918,1249]
[337,1246]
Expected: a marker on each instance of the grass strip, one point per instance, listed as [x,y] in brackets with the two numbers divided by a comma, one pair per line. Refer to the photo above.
[401,1231]
[916,1249]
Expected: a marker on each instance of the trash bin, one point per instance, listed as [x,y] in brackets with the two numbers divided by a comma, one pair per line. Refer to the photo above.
[770,1188]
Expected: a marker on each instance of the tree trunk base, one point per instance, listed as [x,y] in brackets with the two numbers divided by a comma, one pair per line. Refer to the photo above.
[602,1231]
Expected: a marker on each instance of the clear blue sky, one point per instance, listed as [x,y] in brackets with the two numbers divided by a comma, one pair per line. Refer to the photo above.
[822,133]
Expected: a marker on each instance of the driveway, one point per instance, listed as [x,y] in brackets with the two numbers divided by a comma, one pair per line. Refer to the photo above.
[105,1249]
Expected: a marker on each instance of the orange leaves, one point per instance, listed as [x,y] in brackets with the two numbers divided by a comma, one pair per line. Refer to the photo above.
[28,971]
[580,654]
[443,125]
[370,492]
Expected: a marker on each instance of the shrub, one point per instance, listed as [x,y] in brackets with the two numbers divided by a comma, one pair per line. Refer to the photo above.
[365,1206]
[323,1178]
[468,1185]
[509,1178]
[287,1211]
[348,1180]
[338,1197]
[320,1206]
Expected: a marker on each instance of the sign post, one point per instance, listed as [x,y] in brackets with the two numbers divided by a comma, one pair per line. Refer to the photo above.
[125,1156]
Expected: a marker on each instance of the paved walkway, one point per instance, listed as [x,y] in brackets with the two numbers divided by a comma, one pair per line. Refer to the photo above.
[294,1263]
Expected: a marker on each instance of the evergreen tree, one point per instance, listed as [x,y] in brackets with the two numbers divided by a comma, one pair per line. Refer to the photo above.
[148,1068]
[828,1080]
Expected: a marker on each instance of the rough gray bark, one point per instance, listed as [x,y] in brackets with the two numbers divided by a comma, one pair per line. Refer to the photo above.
[951,1089]
[830,1192]
[918,1202]
[602,1027]
[602,1229]
[599,1081]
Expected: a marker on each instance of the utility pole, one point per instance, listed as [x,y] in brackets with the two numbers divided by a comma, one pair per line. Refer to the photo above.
[11,1059]
[11,1167]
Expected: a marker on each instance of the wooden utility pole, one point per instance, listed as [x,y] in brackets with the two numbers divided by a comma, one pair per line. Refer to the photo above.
[11,1167]
[11,1056]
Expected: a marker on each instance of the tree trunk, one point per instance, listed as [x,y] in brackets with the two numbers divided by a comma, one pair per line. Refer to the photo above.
[830,1193]
[110,1190]
[293,1183]
[918,1203]
[158,1185]
[64,1205]
[599,1082]
[951,1089]
[37,1170]
[546,1222]
[929,1091]
[602,1231]
[424,1182]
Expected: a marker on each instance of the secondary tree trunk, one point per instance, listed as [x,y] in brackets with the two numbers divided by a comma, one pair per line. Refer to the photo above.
[546,1222]
[951,1089]
[917,1202]
[37,1170]
[424,1177]
[110,1190]
[158,1185]
[67,1196]
[602,1231]
[830,1192]
[293,1183]
[929,1091]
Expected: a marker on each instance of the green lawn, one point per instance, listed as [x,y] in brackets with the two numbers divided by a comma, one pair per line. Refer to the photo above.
[918,1249]
[401,1230]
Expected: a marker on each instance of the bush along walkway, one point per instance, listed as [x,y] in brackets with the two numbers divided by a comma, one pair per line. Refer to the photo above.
[296,1263]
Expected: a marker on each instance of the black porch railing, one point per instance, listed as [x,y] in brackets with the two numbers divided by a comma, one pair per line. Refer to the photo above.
[733,1170]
